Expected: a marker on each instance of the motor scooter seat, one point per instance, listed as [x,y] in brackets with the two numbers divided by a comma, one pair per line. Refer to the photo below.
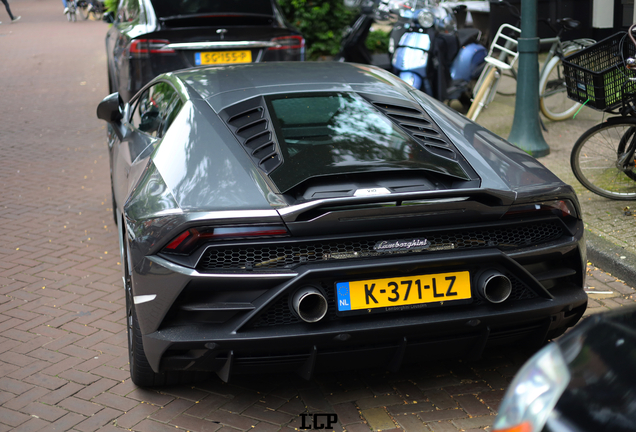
[468,35]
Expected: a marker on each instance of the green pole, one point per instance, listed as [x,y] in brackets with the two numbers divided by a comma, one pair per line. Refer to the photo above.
[526,128]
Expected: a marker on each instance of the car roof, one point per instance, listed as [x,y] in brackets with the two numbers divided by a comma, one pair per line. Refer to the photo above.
[222,86]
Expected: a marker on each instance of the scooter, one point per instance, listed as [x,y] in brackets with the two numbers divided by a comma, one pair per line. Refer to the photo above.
[431,54]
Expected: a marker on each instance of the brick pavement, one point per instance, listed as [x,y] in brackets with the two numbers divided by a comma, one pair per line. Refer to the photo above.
[63,358]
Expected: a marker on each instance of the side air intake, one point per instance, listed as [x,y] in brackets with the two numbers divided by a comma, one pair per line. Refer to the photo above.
[250,124]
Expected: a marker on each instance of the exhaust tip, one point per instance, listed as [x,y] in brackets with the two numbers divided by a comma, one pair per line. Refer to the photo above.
[494,286]
[309,304]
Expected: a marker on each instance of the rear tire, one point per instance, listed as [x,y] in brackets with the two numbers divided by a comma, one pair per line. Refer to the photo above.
[553,96]
[595,155]
[508,81]
[486,87]
[83,10]
[111,87]
[112,192]
[140,371]
[98,13]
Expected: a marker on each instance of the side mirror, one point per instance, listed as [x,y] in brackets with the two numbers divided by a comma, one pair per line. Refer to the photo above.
[109,17]
[111,108]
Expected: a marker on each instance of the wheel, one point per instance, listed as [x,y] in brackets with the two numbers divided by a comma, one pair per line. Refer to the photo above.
[623,149]
[465,100]
[140,371]
[82,8]
[595,159]
[553,96]
[508,81]
[114,204]
[98,12]
[484,92]
[111,86]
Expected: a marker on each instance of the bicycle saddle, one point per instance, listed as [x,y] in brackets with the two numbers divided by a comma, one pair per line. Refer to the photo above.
[569,23]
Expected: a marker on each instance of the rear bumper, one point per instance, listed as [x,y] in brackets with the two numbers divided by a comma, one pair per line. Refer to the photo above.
[264,337]
[461,331]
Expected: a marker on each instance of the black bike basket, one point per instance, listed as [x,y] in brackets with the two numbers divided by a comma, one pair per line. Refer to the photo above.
[597,75]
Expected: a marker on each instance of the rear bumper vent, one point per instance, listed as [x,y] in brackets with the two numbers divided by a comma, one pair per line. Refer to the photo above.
[279,314]
[286,255]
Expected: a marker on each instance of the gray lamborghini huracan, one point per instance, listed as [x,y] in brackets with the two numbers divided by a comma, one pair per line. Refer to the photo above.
[314,216]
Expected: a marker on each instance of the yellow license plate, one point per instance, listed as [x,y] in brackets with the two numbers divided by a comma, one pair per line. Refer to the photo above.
[403,291]
[222,57]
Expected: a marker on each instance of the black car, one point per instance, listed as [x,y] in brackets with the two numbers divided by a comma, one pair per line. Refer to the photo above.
[150,37]
[584,382]
[311,216]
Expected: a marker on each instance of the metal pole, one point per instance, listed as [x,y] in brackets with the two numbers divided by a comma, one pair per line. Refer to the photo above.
[526,128]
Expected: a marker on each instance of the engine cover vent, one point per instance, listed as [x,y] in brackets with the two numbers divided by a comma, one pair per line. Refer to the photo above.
[421,127]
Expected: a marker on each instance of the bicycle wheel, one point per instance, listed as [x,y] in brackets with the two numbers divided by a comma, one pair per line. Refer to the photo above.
[82,8]
[553,96]
[98,12]
[508,82]
[624,147]
[597,159]
[487,86]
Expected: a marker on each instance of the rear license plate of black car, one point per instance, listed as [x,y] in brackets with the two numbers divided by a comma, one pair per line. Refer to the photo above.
[222,57]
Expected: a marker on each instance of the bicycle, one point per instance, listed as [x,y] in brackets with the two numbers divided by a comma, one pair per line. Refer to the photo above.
[86,8]
[603,77]
[553,101]
[71,6]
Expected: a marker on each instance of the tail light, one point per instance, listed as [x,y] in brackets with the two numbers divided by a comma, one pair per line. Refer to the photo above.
[288,43]
[286,48]
[561,208]
[144,47]
[188,241]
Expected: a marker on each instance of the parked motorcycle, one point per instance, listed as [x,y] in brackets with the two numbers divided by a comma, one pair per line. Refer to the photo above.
[431,54]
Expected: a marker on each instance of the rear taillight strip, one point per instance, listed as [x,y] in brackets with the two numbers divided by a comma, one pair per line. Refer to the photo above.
[288,42]
[221,45]
[192,238]
[152,46]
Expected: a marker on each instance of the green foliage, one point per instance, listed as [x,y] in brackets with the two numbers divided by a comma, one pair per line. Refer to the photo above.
[321,22]
[378,41]
[111,5]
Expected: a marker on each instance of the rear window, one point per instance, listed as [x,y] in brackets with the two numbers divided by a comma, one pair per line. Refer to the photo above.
[337,133]
[173,8]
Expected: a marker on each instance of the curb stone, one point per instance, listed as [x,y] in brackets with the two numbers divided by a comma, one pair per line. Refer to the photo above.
[610,257]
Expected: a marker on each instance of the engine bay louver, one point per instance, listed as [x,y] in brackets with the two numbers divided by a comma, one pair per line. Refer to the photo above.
[421,127]
[251,125]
